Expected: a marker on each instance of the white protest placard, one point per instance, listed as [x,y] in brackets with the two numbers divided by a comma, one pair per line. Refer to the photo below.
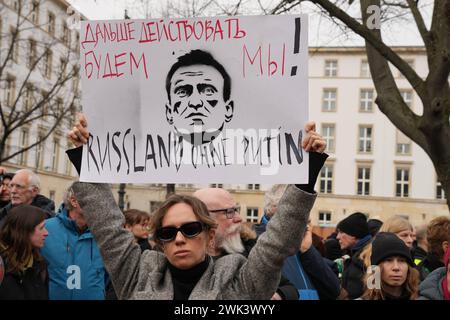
[202,100]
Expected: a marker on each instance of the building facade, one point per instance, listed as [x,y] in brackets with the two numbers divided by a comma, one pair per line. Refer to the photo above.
[372,167]
[40,76]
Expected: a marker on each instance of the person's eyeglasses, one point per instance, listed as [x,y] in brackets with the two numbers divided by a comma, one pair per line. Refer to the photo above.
[229,212]
[189,230]
[17,186]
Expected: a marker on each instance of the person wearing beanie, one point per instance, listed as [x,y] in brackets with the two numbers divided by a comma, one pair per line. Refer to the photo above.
[436,285]
[374,226]
[353,236]
[393,276]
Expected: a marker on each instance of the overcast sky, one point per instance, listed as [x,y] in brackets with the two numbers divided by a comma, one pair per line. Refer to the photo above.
[322,32]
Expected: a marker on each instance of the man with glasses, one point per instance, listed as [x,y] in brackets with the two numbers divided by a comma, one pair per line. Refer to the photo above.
[223,209]
[226,212]
[24,189]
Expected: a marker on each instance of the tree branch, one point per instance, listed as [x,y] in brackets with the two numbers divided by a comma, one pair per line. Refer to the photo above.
[416,82]
[420,23]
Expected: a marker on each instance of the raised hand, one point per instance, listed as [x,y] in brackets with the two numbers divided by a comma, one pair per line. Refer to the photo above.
[79,134]
[313,142]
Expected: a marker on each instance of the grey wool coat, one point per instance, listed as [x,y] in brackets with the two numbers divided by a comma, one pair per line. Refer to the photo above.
[145,275]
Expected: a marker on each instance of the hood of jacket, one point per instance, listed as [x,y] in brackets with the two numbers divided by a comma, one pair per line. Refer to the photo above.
[361,244]
[63,217]
[431,288]
[45,204]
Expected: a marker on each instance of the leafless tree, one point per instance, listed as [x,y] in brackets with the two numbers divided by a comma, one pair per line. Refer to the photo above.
[33,87]
[431,130]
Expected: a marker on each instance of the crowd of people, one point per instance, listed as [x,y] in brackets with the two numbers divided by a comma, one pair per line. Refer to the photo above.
[198,247]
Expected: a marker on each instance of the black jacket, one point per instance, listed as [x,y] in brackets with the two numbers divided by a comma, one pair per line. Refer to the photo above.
[30,285]
[354,271]
[428,265]
[418,254]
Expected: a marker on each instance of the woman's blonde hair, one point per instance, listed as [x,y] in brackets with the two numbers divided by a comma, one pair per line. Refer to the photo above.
[396,224]
[411,284]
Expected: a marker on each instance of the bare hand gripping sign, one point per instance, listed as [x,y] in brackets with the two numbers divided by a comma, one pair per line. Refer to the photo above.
[195,100]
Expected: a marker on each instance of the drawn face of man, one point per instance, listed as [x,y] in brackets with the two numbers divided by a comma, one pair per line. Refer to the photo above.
[197,108]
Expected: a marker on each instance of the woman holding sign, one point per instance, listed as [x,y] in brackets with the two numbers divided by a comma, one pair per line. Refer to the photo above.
[183,229]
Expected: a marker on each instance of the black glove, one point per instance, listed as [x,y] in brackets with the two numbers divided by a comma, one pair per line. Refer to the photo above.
[316,161]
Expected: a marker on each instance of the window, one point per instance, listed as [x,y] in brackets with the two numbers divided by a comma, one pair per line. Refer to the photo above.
[253,186]
[15,44]
[365,69]
[65,36]
[51,23]
[15,5]
[155,205]
[10,91]
[62,68]
[77,42]
[59,107]
[411,64]
[34,14]
[44,107]
[329,99]
[324,218]
[440,194]
[365,139]
[402,182]
[326,179]
[328,133]
[363,181]
[216,185]
[48,61]
[252,215]
[72,115]
[403,144]
[40,150]
[29,98]
[31,53]
[23,143]
[75,81]
[331,68]
[68,170]
[366,100]
[51,195]
[407,96]
[55,155]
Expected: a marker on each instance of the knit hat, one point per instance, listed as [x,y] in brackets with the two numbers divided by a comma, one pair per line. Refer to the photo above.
[374,226]
[354,225]
[387,244]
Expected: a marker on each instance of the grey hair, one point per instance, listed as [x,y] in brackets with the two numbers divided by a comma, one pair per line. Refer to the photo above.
[421,233]
[69,193]
[33,178]
[272,197]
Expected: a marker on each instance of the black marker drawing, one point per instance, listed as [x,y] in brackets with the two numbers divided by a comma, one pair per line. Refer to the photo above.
[198,90]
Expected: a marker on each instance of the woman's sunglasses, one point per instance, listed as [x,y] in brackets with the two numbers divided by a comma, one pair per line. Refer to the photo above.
[189,230]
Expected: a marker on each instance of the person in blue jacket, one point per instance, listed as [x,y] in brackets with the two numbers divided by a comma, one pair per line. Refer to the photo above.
[310,273]
[75,266]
